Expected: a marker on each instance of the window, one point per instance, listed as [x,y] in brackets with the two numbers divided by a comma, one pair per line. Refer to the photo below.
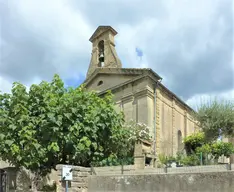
[100,83]
[179,141]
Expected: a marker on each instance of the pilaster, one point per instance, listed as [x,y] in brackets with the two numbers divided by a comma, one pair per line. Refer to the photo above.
[174,129]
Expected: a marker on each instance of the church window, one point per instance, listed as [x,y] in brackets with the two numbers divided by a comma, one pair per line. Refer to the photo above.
[179,141]
[101,54]
[100,83]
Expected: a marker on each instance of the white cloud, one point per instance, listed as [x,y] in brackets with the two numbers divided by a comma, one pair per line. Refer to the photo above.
[5,86]
[57,22]
[62,32]
[182,40]
[199,99]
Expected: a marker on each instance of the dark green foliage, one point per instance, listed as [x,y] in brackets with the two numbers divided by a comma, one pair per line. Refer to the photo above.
[215,118]
[194,141]
[50,125]
[217,149]
[114,161]
[196,144]
[191,160]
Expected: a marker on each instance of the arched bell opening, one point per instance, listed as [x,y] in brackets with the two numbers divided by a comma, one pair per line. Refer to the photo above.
[101,54]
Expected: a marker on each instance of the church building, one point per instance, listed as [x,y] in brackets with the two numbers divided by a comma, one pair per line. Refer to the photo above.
[140,94]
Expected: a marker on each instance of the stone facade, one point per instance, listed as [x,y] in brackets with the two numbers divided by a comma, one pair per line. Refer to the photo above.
[103,43]
[142,97]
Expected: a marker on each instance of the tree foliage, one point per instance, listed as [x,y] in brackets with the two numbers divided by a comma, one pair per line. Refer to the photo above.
[217,149]
[194,141]
[215,118]
[49,124]
[197,143]
[132,132]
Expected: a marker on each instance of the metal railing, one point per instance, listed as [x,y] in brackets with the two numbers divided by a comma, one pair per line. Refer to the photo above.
[130,170]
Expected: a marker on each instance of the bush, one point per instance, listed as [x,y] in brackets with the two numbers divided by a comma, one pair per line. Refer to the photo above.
[221,148]
[194,141]
[191,160]
[163,159]
[114,161]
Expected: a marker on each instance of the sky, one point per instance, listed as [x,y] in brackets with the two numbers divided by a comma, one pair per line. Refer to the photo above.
[187,42]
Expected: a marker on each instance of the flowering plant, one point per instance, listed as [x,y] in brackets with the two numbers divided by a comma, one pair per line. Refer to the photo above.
[138,131]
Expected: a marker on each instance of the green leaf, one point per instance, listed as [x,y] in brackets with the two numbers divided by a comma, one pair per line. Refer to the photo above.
[9,142]
[2,136]
[49,125]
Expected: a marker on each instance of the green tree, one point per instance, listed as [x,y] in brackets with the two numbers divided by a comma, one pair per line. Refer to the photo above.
[131,133]
[49,124]
[216,118]
[193,141]
[216,149]
[222,148]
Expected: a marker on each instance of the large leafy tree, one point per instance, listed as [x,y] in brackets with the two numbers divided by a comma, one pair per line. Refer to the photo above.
[49,124]
[216,118]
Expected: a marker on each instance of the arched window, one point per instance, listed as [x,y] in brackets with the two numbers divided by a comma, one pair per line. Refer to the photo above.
[179,141]
[100,83]
[101,53]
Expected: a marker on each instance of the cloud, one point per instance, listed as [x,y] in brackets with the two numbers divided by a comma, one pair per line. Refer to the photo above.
[188,42]
[42,38]
[5,85]
[192,47]
[197,100]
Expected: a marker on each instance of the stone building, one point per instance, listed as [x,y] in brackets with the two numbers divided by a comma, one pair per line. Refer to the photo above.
[140,94]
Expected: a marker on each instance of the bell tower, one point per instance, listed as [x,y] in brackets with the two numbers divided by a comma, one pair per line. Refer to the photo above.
[103,50]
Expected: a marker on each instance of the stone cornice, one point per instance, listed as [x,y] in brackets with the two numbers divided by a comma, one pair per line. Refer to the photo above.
[100,30]
[141,73]
[123,71]
[174,96]
[127,98]
[120,86]
[144,92]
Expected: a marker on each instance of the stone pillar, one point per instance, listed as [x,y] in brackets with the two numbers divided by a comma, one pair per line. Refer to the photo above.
[232,159]
[79,182]
[139,157]
[158,120]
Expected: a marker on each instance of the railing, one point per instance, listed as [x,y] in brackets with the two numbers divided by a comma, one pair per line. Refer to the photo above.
[129,170]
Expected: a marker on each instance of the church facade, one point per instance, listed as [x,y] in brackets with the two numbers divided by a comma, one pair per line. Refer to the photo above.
[140,94]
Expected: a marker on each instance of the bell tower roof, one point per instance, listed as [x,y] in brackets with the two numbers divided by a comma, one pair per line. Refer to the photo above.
[100,30]
[103,53]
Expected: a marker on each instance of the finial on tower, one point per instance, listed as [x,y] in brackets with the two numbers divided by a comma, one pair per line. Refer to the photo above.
[103,50]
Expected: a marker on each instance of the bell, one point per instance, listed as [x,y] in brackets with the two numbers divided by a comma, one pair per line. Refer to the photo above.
[101,57]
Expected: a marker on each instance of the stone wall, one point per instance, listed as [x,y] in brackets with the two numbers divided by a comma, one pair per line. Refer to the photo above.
[79,182]
[117,179]
[183,182]
[21,180]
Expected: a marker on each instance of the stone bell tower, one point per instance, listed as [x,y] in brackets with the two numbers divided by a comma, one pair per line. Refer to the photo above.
[103,50]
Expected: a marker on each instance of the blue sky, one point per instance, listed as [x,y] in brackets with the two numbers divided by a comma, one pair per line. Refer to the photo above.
[188,42]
